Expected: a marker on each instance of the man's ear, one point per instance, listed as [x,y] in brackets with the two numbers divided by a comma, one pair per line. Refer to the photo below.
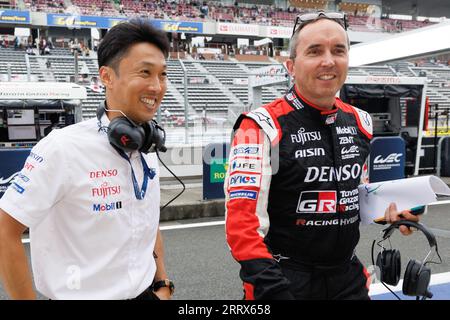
[290,65]
[106,76]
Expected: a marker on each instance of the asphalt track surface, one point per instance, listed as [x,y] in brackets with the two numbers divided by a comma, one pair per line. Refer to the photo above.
[199,262]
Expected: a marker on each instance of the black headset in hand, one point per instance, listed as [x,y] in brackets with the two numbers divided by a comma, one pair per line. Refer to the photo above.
[124,134]
[417,275]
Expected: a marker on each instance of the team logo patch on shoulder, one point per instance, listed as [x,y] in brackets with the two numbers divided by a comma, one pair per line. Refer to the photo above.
[265,121]
[244,194]
[366,120]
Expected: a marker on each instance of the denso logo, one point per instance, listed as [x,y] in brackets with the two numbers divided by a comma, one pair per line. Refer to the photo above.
[328,174]
[107,206]
[392,158]
[317,201]
[103,174]
[244,180]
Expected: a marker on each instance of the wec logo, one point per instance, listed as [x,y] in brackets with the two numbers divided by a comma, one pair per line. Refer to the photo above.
[392,158]
[317,201]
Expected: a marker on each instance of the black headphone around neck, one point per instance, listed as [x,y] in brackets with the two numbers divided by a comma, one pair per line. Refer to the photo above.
[127,136]
[417,275]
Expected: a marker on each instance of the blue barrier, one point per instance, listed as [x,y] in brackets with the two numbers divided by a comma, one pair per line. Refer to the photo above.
[387,159]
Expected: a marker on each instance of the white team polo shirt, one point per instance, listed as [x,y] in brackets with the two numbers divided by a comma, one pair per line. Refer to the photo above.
[90,237]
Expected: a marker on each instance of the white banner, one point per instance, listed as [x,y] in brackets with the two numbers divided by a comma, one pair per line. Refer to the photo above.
[268,75]
[209,50]
[41,90]
[261,42]
[278,32]
[237,29]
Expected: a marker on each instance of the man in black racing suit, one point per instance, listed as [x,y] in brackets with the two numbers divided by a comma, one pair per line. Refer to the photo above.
[292,205]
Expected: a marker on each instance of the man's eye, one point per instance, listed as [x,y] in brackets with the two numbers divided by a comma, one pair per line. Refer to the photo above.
[145,71]
[164,74]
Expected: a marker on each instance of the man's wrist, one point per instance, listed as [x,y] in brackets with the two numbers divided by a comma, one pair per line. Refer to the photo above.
[164,283]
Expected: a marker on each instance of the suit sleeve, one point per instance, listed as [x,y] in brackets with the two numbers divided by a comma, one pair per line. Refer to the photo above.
[246,189]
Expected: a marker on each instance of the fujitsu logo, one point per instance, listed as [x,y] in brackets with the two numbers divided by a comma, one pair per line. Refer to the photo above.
[302,136]
[392,158]
[105,190]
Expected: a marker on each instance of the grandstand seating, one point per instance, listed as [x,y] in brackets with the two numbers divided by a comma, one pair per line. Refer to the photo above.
[12,61]
[225,85]
[216,11]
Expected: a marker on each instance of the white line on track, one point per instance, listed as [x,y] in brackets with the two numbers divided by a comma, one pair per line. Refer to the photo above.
[178,186]
[176,226]
[193,225]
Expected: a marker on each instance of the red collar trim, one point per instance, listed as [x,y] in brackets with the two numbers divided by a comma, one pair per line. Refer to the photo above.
[322,111]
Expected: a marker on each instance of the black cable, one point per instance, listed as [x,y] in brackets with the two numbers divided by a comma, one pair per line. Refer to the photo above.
[179,180]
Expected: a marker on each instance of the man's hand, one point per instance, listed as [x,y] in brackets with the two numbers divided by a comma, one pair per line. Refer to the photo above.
[392,215]
[163,293]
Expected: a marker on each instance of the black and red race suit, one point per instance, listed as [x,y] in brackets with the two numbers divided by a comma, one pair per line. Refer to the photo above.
[292,194]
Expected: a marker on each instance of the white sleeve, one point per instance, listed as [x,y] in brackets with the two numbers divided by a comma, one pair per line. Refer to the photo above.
[39,185]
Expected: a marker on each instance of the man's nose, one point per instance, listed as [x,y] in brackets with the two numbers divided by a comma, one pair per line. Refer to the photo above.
[328,59]
[155,85]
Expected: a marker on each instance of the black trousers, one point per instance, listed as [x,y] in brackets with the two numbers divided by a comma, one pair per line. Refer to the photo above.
[346,282]
[147,295]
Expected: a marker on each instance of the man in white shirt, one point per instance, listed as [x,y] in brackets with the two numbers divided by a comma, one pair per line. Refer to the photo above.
[92,207]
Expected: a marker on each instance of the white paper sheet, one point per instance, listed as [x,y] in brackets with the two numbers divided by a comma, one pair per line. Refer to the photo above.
[374,198]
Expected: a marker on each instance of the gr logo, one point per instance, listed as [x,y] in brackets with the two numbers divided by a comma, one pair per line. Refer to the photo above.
[323,201]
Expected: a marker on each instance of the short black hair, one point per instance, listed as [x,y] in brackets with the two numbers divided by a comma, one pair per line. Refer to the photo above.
[118,40]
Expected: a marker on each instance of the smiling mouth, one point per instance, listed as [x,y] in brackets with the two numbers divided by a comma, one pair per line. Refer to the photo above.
[326,77]
[149,102]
